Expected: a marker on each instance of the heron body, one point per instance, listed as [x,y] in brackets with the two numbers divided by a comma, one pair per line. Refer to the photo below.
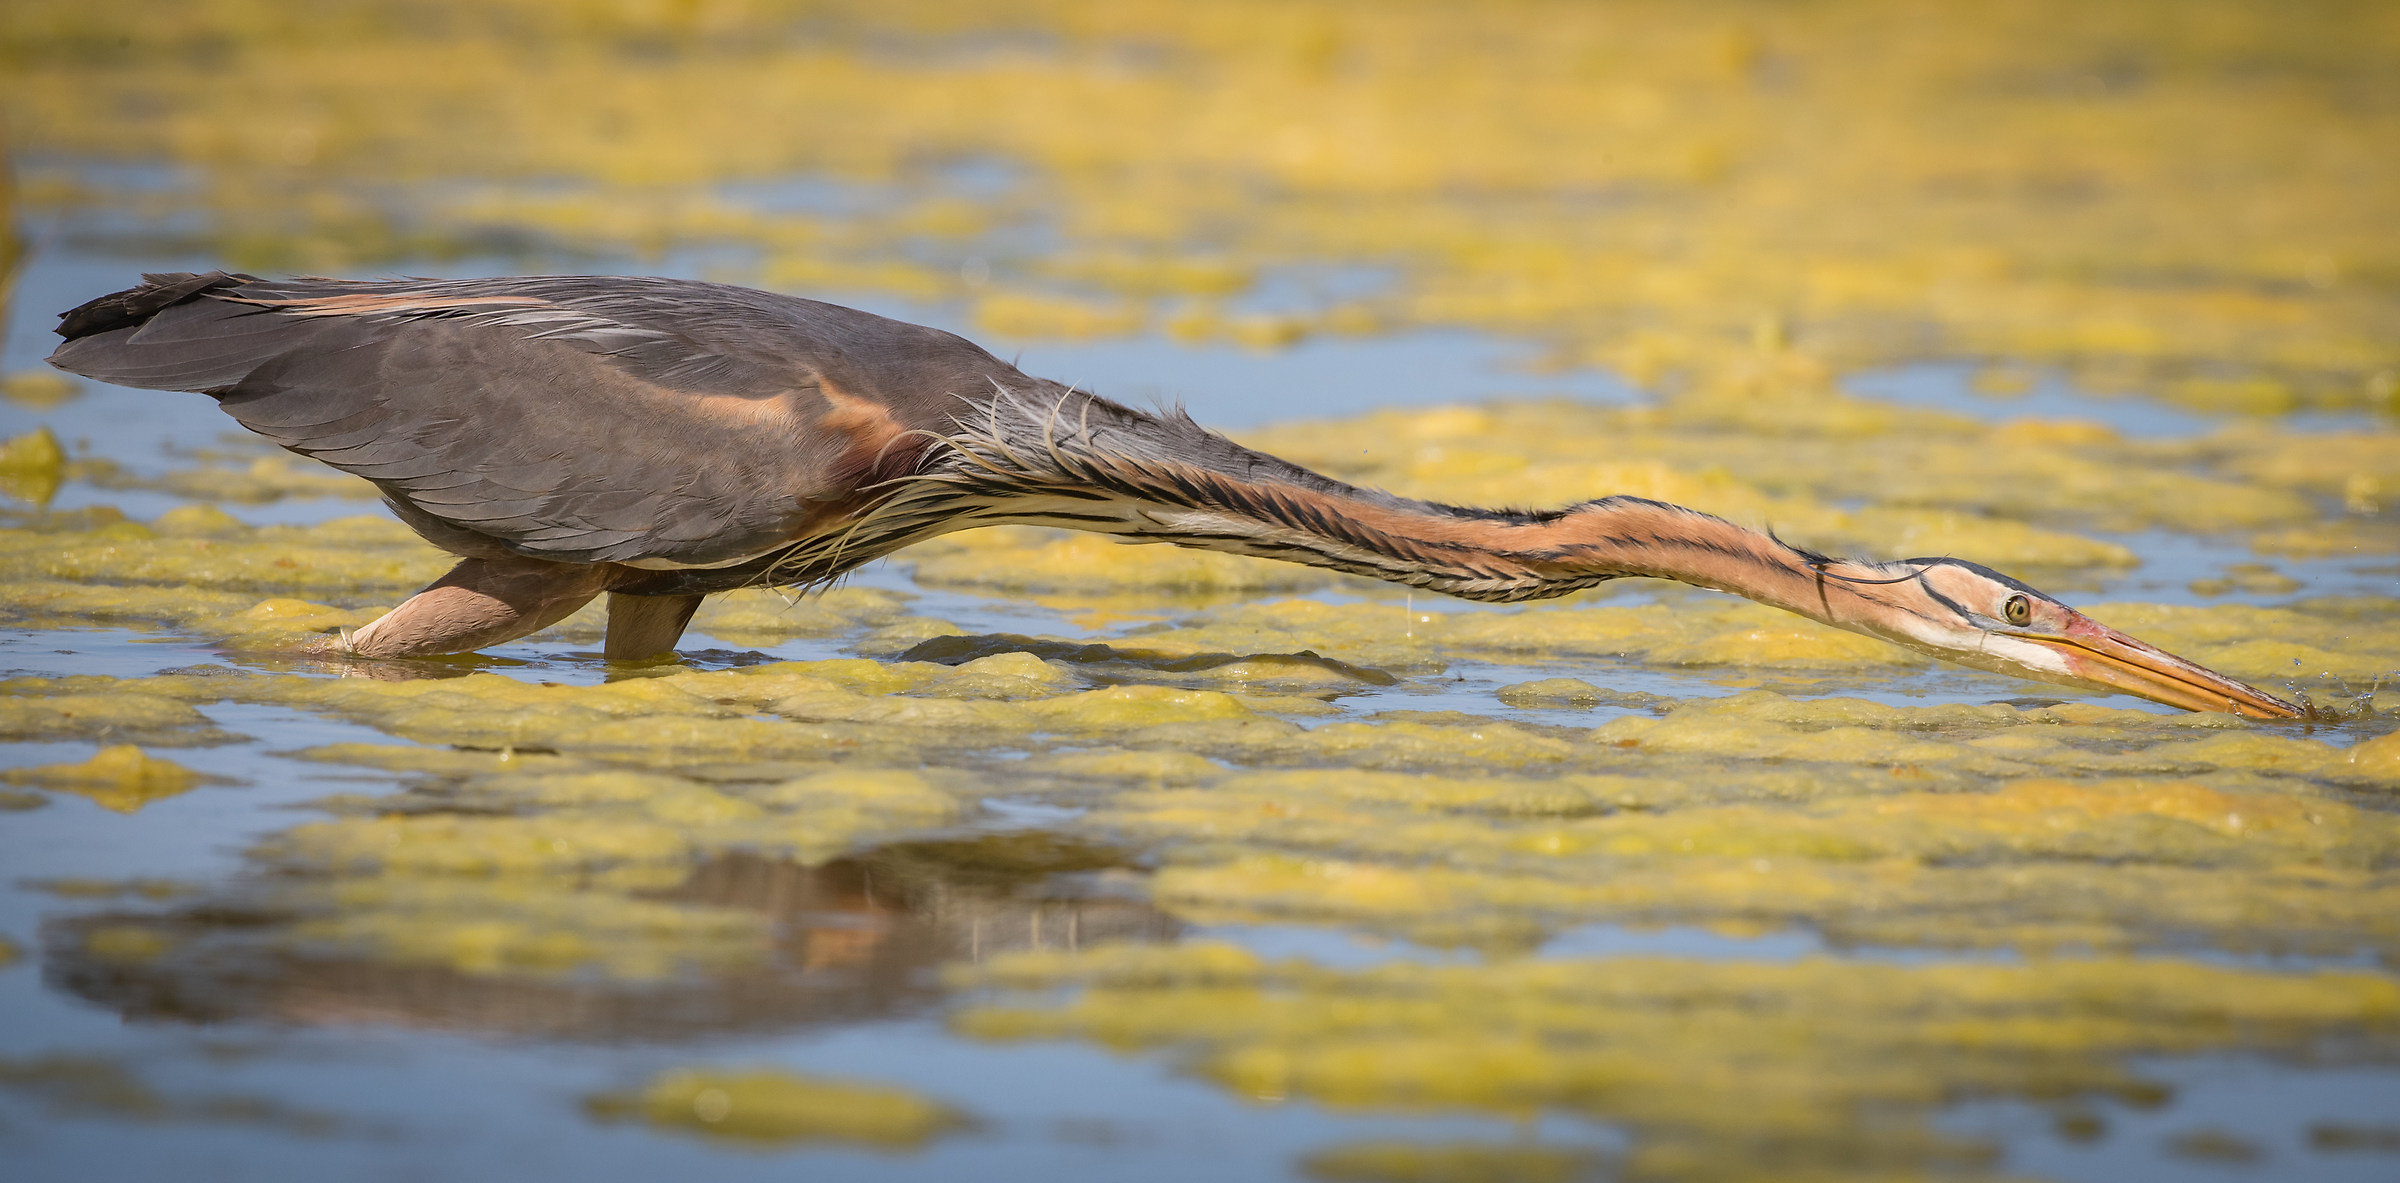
[661,440]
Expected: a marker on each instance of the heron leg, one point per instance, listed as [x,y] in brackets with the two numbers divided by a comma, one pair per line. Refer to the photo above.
[646,626]
[482,602]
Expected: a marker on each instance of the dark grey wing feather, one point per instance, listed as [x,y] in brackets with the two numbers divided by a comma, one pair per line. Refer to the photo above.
[577,418]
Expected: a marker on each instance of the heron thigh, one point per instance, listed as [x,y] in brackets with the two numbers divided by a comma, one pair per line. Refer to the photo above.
[646,626]
[480,603]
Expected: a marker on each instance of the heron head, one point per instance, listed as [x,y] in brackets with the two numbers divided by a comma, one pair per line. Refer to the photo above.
[1975,616]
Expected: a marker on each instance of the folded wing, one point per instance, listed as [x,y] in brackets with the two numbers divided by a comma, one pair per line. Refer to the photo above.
[575,418]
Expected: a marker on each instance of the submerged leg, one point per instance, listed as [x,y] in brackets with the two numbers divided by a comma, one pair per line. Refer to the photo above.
[482,602]
[646,626]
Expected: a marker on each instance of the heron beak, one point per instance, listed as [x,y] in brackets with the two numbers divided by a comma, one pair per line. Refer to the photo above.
[2097,653]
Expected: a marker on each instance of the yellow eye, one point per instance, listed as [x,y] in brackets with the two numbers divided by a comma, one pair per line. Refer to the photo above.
[2018,610]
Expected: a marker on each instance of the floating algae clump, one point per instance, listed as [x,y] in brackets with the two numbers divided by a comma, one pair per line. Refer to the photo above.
[347,556]
[120,777]
[1405,1162]
[769,1105]
[1712,1064]
[40,390]
[522,925]
[32,465]
[149,718]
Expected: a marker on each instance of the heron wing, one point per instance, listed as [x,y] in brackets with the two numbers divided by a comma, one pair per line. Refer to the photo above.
[577,418]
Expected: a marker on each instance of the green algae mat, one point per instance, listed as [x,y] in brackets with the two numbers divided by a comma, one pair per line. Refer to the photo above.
[1029,855]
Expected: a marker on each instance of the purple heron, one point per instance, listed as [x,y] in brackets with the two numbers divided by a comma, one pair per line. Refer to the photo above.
[660,440]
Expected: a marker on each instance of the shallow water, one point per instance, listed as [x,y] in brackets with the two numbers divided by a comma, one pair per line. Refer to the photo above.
[1024,855]
[225,1034]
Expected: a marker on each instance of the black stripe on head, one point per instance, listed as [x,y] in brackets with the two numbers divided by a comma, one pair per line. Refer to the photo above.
[1924,565]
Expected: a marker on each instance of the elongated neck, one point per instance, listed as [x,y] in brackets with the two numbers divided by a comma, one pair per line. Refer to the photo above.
[1637,536]
[1065,459]
[1504,555]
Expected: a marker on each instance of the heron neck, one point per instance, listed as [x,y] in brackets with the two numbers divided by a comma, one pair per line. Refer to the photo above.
[1084,463]
[1635,536]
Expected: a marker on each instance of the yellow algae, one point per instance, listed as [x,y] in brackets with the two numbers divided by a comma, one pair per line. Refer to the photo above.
[903,635]
[1716,735]
[770,1105]
[2377,759]
[120,777]
[1403,1162]
[573,788]
[1128,707]
[2032,815]
[703,809]
[1786,645]
[2340,538]
[1024,314]
[1288,705]
[1506,796]
[1710,1063]
[1434,744]
[144,718]
[1007,676]
[2360,466]
[236,618]
[126,942]
[1557,692]
[826,812]
[1375,636]
[513,925]
[2031,906]
[345,556]
[2255,578]
[264,479]
[449,761]
[2265,753]
[452,844]
[761,616]
[643,714]
[40,390]
[32,465]
[9,953]
[283,621]
[895,788]
[1131,767]
[835,705]
[1704,629]
[1877,788]
[761,683]
[197,521]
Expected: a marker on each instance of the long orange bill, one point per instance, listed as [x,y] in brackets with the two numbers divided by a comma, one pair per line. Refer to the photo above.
[2101,654]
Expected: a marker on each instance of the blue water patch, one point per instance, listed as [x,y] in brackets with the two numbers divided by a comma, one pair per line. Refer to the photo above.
[1948,386]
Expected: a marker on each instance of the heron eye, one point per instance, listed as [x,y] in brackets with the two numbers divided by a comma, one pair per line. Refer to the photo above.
[2018,610]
